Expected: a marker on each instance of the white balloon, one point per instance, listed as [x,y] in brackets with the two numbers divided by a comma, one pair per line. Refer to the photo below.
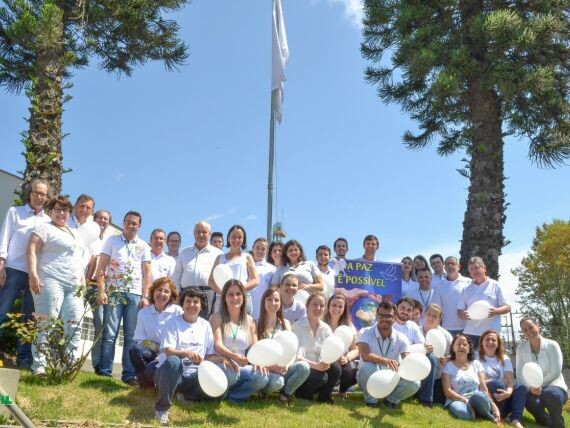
[414,367]
[212,379]
[382,383]
[532,374]
[265,352]
[222,274]
[332,349]
[302,296]
[436,338]
[345,333]
[89,232]
[290,343]
[479,310]
[418,348]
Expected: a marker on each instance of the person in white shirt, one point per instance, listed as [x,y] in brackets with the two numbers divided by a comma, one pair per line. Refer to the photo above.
[173,242]
[424,293]
[340,247]
[194,264]
[293,310]
[323,255]
[409,282]
[17,227]
[145,351]
[438,276]
[447,295]
[383,348]
[187,340]
[103,218]
[545,402]
[371,244]
[265,271]
[56,271]
[123,271]
[488,290]
[508,395]
[161,265]
[80,219]
[307,272]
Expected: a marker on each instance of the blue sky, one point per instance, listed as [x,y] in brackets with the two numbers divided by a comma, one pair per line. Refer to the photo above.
[193,144]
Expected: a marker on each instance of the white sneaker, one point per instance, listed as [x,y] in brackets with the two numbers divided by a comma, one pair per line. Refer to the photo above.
[515,423]
[162,416]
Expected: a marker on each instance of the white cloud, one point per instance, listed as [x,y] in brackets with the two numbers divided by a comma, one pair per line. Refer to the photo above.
[213,217]
[353,10]
[250,217]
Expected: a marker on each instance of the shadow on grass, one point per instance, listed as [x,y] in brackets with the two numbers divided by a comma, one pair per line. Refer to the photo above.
[105,384]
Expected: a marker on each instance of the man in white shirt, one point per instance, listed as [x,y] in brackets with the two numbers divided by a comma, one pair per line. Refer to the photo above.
[424,293]
[161,263]
[382,347]
[438,276]
[447,295]
[124,269]
[17,227]
[371,245]
[323,255]
[195,263]
[488,290]
[81,218]
[217,240]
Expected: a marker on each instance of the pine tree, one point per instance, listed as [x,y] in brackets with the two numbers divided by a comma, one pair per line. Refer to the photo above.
[472,72]
[41,42]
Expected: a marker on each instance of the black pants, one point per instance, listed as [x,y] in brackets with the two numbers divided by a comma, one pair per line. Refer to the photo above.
[348,376]
[321,383]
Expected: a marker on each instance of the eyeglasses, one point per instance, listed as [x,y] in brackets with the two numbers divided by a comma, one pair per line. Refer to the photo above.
[40,194]
[384,316]
[59,210]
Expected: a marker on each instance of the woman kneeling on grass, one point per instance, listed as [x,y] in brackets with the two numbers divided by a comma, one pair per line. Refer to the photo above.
[509,396]
[463,380]
[150,324]
[312,332]
[271,321]
[234,333]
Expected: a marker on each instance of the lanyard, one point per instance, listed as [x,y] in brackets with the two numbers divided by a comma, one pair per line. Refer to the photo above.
[381,345]
[234,333]
[425,302]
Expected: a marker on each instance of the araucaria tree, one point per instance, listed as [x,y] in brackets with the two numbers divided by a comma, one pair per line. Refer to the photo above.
[472,72]
[544,282]
[41,42]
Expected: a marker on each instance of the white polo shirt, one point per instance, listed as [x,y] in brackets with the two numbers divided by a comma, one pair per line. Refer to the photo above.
[18,225]
[161,265]
[411,330]
[392,347]
[295,312]
[193,266]
[126,258]
[196,337]
[489,291]
[447,295]
[150,322]
[424,297]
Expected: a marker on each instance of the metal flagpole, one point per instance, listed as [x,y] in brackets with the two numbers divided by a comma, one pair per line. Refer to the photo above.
[271,164]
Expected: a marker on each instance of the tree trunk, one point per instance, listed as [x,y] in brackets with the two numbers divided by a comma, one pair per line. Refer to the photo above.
[43,139]
[485,213]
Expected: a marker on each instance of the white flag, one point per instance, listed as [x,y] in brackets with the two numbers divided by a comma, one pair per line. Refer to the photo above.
[280,57]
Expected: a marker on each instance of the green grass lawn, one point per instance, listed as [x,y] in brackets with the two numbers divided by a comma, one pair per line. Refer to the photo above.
[92,401]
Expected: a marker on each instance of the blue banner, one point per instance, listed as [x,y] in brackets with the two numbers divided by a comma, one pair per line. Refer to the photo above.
[365,284]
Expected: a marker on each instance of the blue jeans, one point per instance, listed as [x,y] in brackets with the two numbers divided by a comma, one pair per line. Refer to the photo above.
[425,393]
[144,362]
[58,300]
[115,311]
[514,405]
[16,284]
[404,389]
[480,404]
[168,379]
[296,374]
[552,400]
[243,384]
[98,320]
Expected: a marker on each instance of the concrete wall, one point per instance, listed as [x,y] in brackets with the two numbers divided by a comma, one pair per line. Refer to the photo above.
[8,183]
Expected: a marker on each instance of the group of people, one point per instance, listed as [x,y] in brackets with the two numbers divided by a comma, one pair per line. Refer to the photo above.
[175,315]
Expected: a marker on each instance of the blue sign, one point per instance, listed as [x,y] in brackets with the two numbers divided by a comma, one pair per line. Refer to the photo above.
[365,284]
